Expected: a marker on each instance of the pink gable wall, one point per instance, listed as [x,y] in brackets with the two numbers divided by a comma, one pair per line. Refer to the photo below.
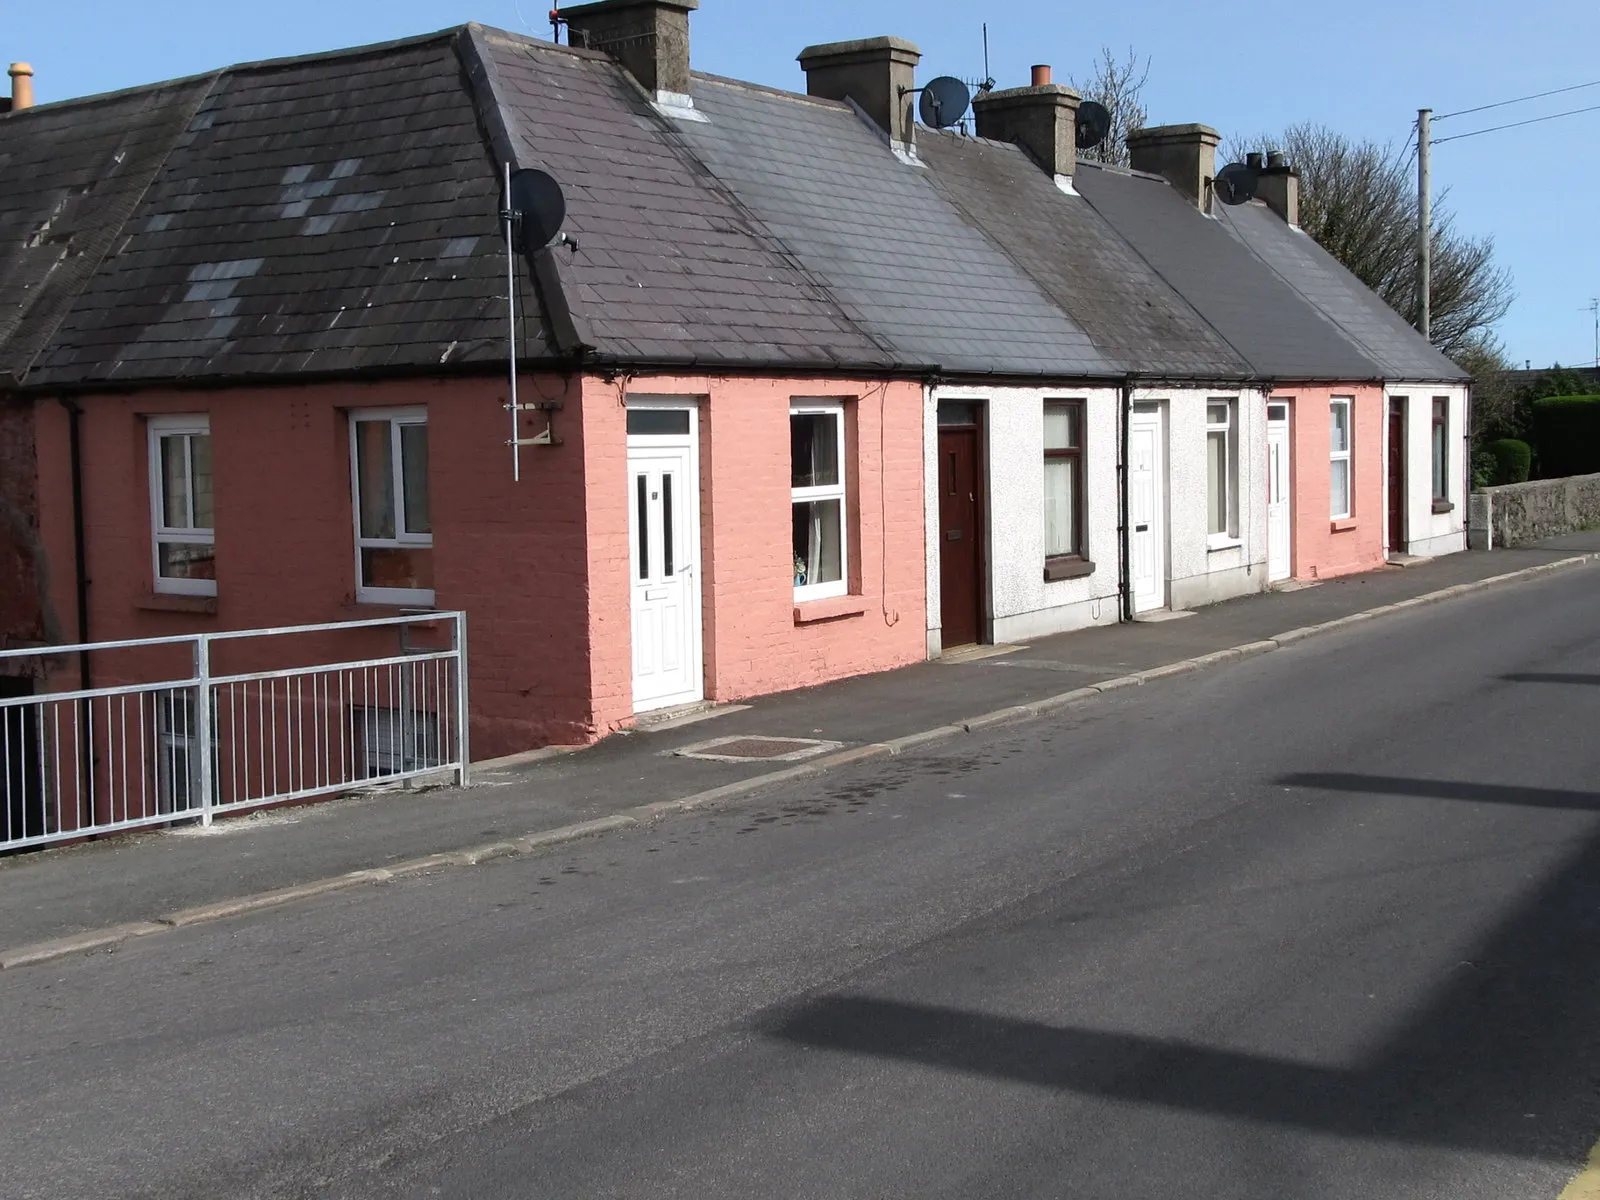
[1324,548]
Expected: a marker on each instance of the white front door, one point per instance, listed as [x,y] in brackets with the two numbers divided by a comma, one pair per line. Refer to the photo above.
[1277,492]
[1146,513]
[664,557]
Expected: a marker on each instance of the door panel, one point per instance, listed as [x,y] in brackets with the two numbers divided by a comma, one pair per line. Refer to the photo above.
[1147,538]
[663,554]
[1397,476]
[1279,517]
[960,538]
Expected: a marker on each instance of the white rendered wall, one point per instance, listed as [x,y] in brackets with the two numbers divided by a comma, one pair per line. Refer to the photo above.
[1199,573]
[1429,533]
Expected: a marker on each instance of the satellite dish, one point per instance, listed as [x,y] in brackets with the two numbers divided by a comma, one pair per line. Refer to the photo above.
[944,102]
[1094,124]
[1236,183]
[538,200]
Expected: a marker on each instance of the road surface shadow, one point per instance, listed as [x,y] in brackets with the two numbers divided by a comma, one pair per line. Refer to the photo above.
[1551,677]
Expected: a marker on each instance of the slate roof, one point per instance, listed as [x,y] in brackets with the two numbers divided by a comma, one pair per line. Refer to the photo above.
[903,263]
[670,267]
[1261,317]
[1075,256]
[85,166]
[1401,352]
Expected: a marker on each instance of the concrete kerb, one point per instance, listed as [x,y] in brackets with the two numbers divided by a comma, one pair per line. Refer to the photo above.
[114,936]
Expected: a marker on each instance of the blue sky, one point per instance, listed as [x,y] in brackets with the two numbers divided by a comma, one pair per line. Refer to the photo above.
[1241,66]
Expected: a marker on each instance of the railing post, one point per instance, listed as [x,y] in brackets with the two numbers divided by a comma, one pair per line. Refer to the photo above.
[202,724]
[463,711]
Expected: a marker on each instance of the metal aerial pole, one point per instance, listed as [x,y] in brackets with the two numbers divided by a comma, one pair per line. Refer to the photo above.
[1425,221]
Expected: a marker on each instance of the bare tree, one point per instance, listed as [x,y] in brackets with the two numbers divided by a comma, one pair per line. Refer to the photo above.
[1117,83]
[1359,201]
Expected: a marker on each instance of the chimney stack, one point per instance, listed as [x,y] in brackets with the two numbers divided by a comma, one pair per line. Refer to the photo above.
[21,86]
[1184,155]
[1280,187]
[648,37]
[878,74]
[1042,119]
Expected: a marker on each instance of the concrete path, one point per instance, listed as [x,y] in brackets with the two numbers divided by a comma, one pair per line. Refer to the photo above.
[1318,925]
[136,884]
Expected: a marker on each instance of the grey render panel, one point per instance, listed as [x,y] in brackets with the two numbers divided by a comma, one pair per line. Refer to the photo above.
[1267,322]
[670,266]
[1129,312]
[1382,333]
[901,260]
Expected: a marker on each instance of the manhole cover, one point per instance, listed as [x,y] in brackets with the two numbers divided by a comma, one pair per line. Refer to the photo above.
[750,748]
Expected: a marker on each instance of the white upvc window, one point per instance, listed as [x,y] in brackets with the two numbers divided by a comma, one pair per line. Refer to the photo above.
[393,518]
[183,539]
[817,499]
[1222,472]
[1339,479]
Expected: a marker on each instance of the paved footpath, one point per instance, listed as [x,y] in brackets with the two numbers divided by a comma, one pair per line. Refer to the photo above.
[101,893]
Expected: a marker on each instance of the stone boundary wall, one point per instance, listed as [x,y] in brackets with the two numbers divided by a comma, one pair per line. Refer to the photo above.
[1527,512]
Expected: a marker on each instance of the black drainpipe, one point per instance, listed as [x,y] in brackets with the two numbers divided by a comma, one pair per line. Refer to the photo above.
[1124,565]
[80,559]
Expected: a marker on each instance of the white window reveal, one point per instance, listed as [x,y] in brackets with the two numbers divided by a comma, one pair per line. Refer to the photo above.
[1339,460]
[1222,471]
[181,511]
[817,482]
[394,524]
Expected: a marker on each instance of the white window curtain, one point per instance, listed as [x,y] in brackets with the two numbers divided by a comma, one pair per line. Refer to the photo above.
[1339,461]
[1222,458]
[182,509]
[817,496]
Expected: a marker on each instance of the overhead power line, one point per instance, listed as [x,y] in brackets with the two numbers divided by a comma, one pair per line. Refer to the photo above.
[1571,112]
[1461,112]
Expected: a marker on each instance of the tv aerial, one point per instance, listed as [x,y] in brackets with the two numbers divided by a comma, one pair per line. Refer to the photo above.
[1236,183]
[535,209]
[1094,124]
[944,101]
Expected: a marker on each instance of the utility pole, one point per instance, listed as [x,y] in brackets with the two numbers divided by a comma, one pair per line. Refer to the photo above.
[1594,308]
[1425,222]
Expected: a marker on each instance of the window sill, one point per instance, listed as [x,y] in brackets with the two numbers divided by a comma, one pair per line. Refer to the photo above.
[835,608]
[1065,567]
[1341,524]
[1443,506]
[176,602]
[1223,543]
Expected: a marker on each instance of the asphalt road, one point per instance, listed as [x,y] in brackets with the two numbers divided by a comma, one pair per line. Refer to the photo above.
[1325,923]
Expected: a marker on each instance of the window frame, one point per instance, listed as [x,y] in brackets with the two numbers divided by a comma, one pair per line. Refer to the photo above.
[1346,456]
[397,419]
[1059,566]
[1229,536]
[189,425]
[1439,450]
[833,491]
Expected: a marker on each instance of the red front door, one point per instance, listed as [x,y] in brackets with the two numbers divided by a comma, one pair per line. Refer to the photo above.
[1397,476]
[960,537]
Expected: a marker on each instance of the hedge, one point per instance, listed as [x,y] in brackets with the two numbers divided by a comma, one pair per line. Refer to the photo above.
[1512,459]
[1567,431]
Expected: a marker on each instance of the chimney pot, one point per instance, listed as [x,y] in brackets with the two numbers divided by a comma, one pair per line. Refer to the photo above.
[1277,160]
[877,73]
[650,38]
[1041,74]
[21,86]
[1253,160]
[1184,155]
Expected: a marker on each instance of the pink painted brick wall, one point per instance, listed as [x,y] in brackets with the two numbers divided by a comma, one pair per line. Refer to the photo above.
[752,643]
[1320,551]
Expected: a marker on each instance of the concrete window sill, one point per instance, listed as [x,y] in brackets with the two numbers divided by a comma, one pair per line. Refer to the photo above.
[1222,543]
[833,609]
[172,602]
[1065,567]
[1343,525]
[1443,506]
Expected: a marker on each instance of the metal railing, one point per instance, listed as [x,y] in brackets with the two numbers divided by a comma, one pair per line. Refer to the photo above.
[92,761]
